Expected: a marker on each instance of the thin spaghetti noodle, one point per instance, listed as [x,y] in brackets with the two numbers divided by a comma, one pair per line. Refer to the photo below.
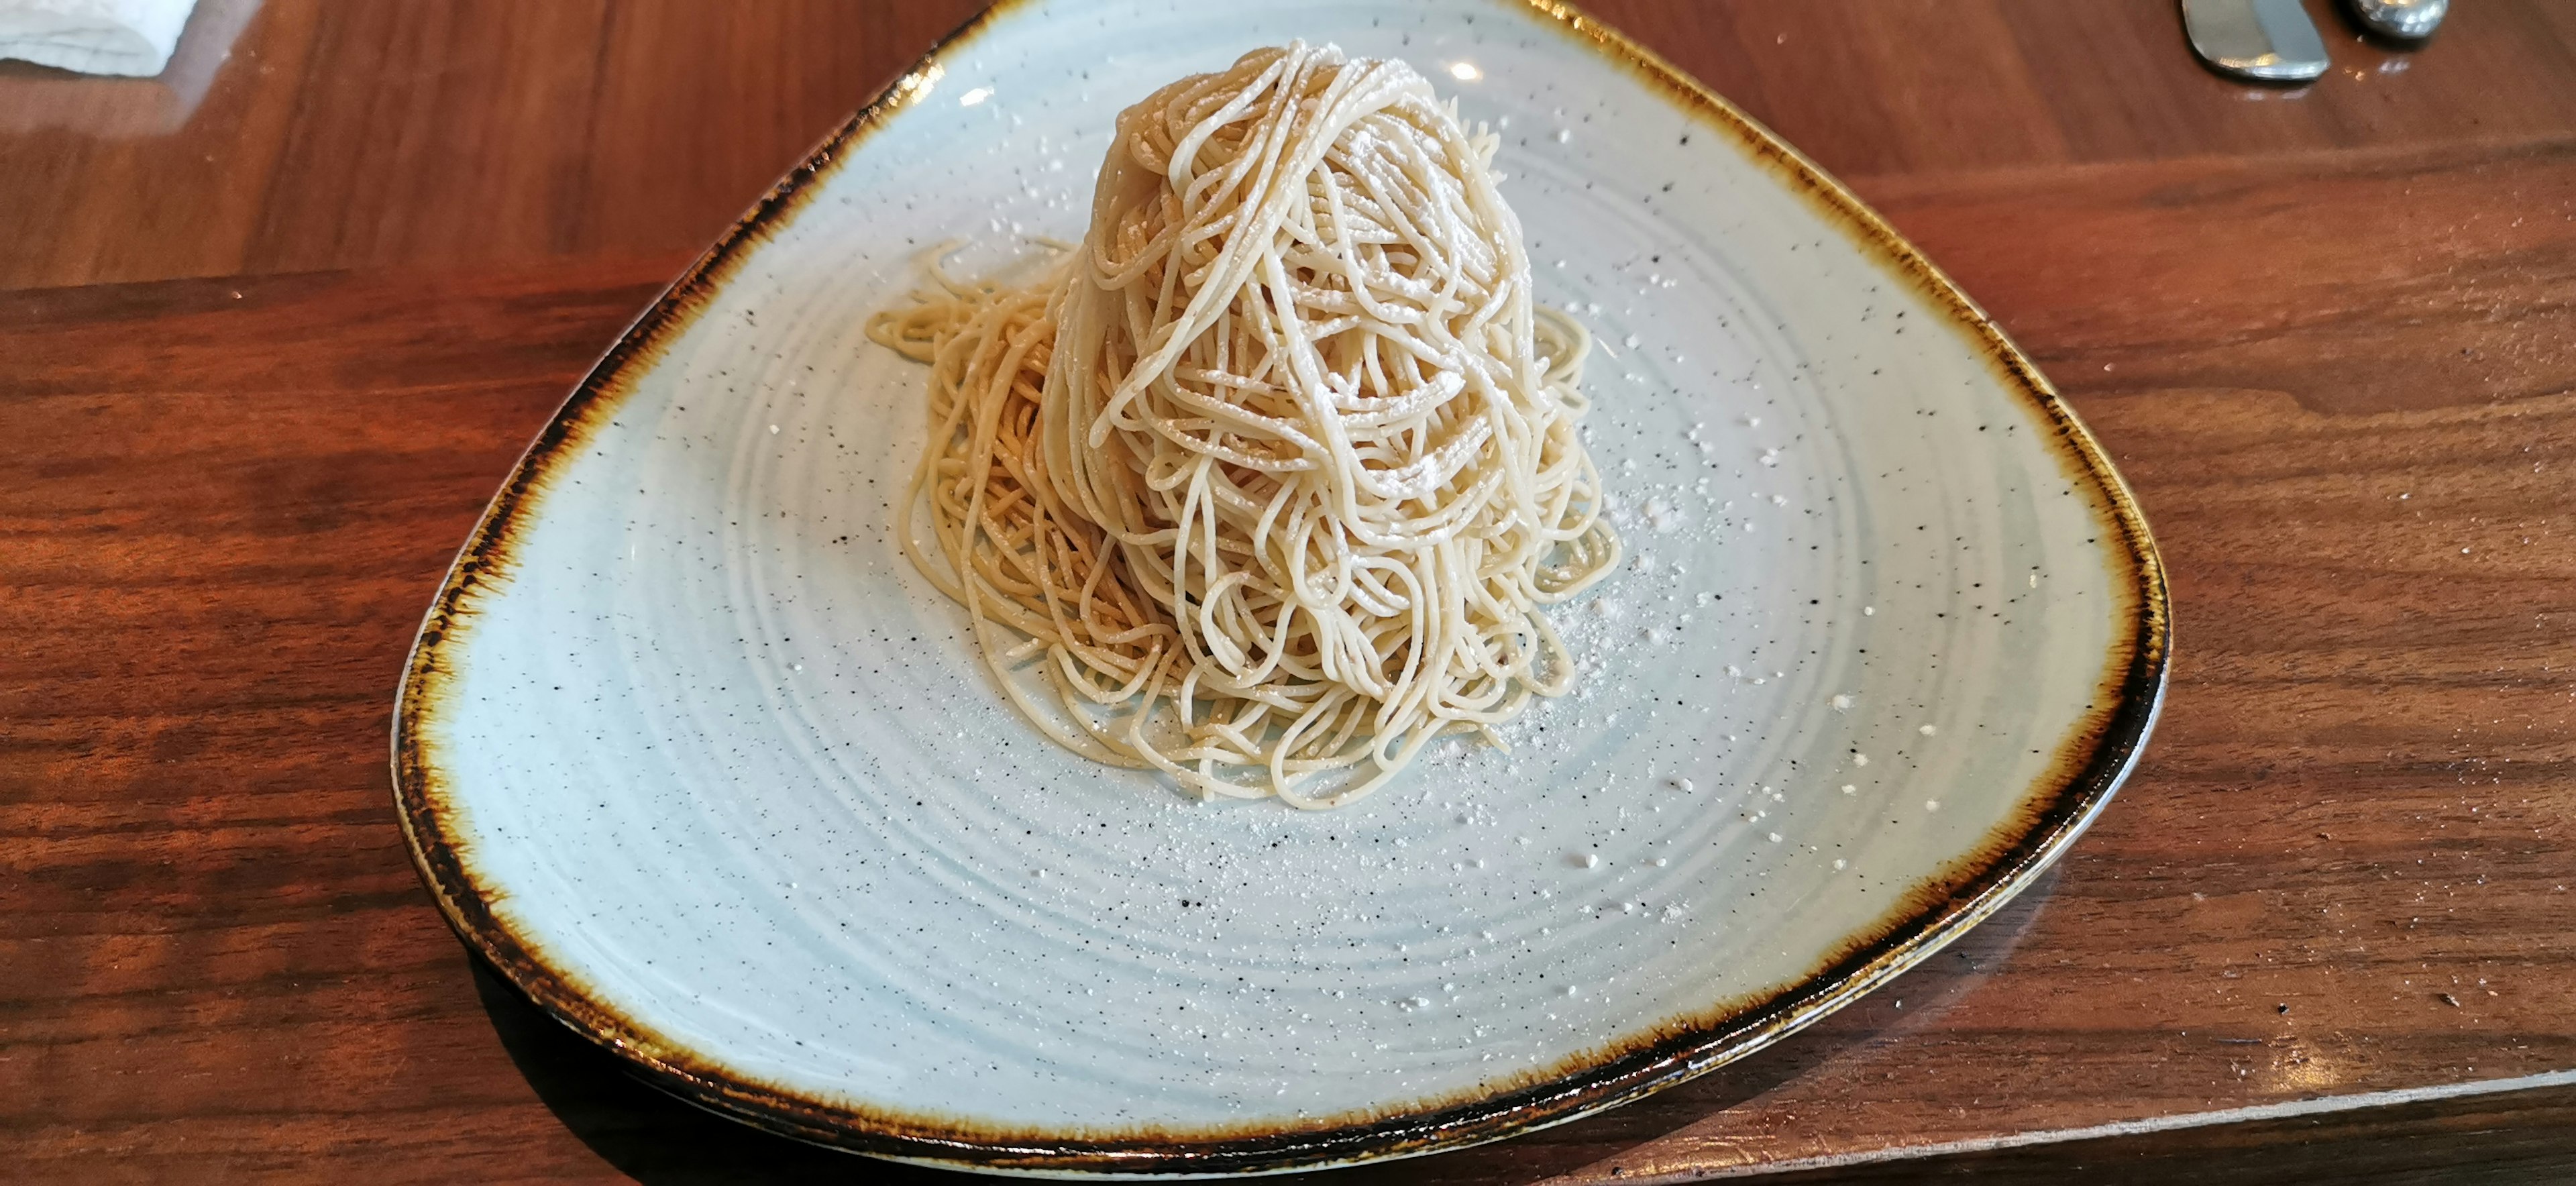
[1268,480]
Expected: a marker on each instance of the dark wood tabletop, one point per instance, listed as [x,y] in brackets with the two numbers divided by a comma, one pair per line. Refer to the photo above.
[274,326]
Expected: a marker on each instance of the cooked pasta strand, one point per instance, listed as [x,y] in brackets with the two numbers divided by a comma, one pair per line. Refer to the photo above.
[1278,468]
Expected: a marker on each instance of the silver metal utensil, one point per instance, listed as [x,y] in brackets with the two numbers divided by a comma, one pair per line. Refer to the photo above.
[2264,40]
[2399,20]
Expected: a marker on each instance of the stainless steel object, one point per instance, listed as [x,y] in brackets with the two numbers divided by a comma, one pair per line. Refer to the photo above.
[2400,20]
[2264,40]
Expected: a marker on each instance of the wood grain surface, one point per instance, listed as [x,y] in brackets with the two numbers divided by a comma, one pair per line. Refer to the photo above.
[263,359]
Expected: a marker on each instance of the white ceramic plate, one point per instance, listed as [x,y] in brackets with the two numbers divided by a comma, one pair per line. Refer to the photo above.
[689,752]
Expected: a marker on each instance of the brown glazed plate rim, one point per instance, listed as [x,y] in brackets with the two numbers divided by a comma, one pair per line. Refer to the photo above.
[2055,810]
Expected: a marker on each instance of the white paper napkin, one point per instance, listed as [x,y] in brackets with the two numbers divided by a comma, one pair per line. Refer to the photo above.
[93,36]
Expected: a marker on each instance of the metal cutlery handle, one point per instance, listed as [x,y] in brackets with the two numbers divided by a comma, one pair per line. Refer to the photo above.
[2399,20]
[2263,40]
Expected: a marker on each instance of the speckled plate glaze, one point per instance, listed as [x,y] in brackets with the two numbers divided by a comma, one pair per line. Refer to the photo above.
[694,757]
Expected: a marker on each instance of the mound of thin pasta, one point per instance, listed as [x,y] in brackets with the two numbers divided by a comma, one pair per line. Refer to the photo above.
[1265,483]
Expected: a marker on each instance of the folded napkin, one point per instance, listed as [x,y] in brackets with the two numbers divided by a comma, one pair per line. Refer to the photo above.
[93,36]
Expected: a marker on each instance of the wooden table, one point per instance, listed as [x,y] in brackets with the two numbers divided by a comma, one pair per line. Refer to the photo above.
[272,329]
